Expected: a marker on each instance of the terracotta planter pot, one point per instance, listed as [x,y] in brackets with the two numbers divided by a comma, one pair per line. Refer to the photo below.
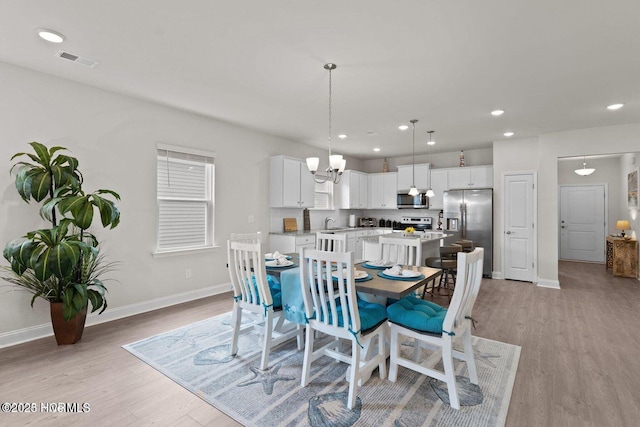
[67,332]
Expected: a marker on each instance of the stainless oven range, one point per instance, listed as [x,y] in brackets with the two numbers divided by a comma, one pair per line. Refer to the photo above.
[420,223]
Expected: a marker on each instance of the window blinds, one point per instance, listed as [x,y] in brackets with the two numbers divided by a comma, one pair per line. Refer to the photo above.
[185,200]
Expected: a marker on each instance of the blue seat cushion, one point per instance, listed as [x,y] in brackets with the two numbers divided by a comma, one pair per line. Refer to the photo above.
[371,315]
[417,314]
[274,287]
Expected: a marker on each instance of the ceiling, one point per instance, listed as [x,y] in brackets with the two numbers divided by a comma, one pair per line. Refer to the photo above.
[551,65]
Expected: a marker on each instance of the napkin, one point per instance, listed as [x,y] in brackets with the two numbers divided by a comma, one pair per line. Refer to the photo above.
[281,259]
[274,255]
[396,270]
[378,262]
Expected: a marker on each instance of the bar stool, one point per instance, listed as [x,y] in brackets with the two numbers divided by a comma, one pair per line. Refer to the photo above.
[448,262]
[467,245]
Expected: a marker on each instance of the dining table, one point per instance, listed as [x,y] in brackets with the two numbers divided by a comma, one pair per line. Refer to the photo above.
[374,287]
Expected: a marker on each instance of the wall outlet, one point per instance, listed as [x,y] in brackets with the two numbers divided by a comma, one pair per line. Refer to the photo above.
[251,219]
[187,273]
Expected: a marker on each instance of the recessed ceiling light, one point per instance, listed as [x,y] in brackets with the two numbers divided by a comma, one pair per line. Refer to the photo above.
[508,134]
[50,35]
[615,106]
[497,112]
[376,149]
[342,136]
[403,127]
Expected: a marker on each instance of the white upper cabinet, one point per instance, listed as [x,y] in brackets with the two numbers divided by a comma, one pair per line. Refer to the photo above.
[383,189]
[405,177]
[439,184]
[291,184]
[471,177]
[353,190]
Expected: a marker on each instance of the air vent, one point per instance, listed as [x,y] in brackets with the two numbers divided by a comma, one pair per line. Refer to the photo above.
[83,60]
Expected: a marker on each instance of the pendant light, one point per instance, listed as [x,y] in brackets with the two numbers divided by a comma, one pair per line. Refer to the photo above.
[430,192]
[584,171]
[336,162]
[413,191]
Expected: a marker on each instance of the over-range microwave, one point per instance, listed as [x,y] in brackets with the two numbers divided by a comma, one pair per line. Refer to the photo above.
[419,201]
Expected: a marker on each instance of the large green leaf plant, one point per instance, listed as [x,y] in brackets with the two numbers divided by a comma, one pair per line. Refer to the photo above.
[62,263]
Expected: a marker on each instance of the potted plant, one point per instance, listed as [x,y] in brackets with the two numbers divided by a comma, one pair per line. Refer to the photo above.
[62,263]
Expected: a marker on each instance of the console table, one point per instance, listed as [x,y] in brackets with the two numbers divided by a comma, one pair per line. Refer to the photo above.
[622,256]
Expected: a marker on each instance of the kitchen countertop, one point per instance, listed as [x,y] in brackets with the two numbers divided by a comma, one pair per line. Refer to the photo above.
[424,237]
[331,230]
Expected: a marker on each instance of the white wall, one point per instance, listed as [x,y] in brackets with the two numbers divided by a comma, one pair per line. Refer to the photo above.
[114,137]
[541,154]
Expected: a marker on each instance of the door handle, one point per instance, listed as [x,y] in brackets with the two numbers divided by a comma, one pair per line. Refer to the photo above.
[508,232]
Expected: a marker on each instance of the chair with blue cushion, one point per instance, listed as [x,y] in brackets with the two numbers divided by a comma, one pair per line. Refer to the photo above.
[336,311]
[401,250]
[258,294]
[435,328]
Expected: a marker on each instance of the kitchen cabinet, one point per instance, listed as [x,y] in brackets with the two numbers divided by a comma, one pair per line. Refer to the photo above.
[439,184]
[470,177]
[383,189]
[290,243]
[353,190]
[405,177]
[291,184]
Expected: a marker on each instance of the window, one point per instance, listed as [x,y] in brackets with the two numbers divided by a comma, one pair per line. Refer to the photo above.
[185,179]
[323,196]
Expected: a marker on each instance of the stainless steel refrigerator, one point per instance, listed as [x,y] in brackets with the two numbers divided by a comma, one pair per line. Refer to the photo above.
[468,214]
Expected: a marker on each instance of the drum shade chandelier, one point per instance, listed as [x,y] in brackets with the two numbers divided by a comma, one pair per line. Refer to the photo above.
[336,162]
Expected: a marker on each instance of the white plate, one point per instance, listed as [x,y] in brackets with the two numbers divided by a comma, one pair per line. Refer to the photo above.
[378,263]
[274,263]
[405,273]
[358,274]
[266,258]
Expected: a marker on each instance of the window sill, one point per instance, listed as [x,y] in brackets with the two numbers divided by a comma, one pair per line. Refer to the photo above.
[188,251]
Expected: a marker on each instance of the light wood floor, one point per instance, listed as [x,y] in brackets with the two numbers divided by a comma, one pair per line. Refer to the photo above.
[579,366]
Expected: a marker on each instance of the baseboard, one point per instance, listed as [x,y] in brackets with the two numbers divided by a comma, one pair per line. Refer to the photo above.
[545,283]
[31,333]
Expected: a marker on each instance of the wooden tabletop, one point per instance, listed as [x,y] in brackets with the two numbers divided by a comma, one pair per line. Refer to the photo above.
[378,286]
[394,288]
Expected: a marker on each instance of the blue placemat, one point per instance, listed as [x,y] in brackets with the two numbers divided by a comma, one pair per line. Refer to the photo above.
[375,267]
[271,259]
[361,279]
[404,279]
[280,267]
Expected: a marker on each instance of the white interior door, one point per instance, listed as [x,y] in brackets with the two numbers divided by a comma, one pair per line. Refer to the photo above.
[582,222]
[519,227]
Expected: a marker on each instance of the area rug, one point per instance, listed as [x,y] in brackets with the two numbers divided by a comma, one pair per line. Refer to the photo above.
[197,357]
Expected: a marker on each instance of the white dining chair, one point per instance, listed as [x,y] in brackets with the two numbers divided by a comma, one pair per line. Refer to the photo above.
[331,242]
[247,237]
[259,294]
[399,250]
[335,311]
[435,328]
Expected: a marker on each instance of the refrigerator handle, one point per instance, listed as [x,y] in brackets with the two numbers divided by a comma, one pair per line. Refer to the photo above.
[463,220]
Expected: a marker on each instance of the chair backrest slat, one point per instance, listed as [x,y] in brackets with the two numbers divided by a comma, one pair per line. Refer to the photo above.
[468,279]
[331,242]
[246,267]
[324,296]
[406,251]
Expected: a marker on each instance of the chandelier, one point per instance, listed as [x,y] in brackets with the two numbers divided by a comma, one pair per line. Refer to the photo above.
[336,162]
[584,171]
[430,192]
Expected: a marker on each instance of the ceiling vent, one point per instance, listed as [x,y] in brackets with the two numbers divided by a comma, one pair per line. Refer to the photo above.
[83,60]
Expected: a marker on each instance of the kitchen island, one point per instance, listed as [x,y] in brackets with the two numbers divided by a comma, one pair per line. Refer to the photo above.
[431,242]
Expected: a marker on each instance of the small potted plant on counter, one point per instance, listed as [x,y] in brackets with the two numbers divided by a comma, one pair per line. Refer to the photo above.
[62,263]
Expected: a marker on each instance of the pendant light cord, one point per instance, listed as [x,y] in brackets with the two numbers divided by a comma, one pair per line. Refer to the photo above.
[330,94]
[413,157]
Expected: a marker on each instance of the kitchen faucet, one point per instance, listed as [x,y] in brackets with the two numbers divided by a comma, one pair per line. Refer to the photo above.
[326,222]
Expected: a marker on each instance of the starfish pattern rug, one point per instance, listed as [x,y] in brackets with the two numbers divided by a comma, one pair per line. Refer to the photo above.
[198,358]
